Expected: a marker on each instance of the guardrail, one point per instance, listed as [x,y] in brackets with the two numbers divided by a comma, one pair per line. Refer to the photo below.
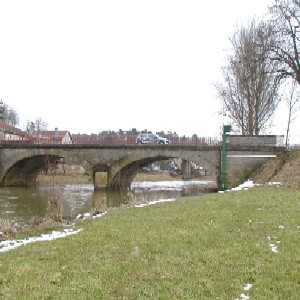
[132,140]
[119,140]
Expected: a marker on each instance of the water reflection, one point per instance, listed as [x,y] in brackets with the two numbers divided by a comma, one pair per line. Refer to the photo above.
[21,204]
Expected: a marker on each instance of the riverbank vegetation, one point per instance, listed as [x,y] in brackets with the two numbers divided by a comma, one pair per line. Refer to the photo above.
[217,246]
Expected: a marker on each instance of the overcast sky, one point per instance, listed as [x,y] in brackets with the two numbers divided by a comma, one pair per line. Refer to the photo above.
[92,65]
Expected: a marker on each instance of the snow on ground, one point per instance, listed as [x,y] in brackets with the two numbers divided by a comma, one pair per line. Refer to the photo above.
[154,202]
[244,186]
[274,248]
[249,184]
[276,183]
[12,244]
[90,215]
[246,288]
[274,242]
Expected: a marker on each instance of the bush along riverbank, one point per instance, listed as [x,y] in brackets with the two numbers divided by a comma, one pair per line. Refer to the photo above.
[234,245]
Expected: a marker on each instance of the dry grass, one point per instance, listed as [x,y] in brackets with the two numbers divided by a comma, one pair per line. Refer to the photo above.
[269,169]
[285,169]
[289,174]
[6,229]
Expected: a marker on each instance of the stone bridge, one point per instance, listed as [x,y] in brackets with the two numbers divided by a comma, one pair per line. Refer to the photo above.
[114,166]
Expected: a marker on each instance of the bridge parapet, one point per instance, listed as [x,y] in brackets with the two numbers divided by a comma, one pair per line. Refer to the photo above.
[256,140]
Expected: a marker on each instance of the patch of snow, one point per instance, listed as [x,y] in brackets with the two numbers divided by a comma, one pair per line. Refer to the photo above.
[242,187]
[12,244]
[273,245]
[277,183]
[248,286]
[154,202]
[91,215]
[247,184]
[274,248]
[243,296]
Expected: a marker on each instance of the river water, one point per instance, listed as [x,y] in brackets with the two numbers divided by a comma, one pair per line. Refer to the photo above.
[20,205]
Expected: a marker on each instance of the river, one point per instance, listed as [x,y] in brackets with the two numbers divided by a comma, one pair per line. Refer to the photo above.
[21,205]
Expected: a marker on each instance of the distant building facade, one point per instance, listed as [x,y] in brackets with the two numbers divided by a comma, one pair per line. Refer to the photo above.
[11,133]
[52,137]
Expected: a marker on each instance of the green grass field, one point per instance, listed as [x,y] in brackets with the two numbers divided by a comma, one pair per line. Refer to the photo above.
[206,247]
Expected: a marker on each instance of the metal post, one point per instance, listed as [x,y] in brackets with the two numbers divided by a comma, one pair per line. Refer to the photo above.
[226,128]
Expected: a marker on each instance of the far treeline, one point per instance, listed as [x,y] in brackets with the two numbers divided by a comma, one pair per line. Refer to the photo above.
[262,69]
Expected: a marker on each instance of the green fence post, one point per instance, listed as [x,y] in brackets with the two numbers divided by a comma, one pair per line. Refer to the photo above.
[226,128]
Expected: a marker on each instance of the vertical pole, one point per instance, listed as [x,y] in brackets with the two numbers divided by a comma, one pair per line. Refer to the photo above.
[226,128]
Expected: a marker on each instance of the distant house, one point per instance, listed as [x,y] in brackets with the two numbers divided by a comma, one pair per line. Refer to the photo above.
[52,137]
[11,133]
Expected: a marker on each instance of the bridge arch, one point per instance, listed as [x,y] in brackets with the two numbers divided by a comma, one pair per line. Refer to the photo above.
[25,171]
[123,172]
[123,176]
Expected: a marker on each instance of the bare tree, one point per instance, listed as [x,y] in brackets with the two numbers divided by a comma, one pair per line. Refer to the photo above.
[8,114]
[2,110]
[286,29]
[40,124]
[30,127]
[35,128]
[250,90]
[293,100]
[11,116]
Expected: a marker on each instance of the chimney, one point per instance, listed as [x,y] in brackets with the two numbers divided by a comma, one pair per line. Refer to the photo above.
[56,133]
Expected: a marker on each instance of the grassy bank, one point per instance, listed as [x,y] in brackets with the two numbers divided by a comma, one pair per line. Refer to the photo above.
[205,247]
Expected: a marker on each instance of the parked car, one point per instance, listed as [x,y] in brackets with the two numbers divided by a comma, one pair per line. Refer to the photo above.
[150,138]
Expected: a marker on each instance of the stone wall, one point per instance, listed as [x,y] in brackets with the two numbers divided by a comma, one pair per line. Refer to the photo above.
[261,140]
[240,164]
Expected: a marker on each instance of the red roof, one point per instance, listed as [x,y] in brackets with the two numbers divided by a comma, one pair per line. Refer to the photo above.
[51,135]
[9,128]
